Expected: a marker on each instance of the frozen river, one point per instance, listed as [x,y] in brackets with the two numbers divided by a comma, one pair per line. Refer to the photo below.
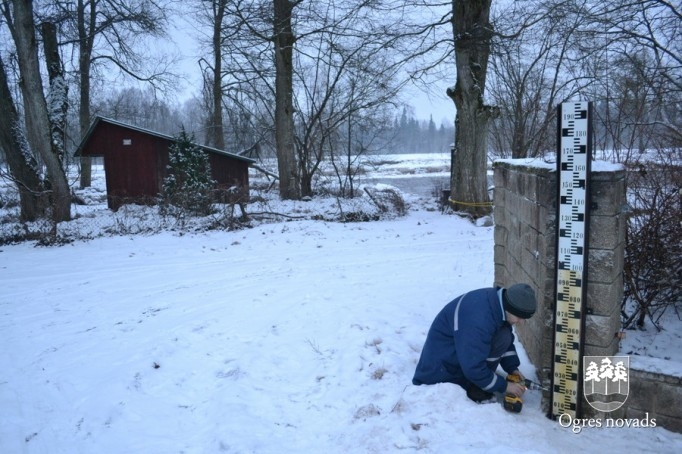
[420,185]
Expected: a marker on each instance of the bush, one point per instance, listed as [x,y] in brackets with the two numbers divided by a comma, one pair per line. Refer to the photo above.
[653,249]
[387,200]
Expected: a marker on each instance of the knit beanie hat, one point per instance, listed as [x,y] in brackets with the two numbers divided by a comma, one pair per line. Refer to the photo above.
[519,300]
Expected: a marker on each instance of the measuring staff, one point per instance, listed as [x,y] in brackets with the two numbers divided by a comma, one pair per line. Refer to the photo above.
[573,168]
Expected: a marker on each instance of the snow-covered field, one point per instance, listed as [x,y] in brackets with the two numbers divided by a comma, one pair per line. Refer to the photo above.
[288,337]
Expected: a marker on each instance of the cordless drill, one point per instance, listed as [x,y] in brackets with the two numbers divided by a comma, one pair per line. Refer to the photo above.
[513,403]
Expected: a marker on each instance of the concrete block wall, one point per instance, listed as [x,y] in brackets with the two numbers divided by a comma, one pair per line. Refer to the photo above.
[525,225]
[525,242]
[653,394]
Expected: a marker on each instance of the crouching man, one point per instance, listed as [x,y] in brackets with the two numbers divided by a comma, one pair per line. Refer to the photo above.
[471,336]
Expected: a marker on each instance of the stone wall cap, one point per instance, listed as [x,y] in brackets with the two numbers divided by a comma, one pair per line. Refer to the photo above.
[656,365]
[606,166]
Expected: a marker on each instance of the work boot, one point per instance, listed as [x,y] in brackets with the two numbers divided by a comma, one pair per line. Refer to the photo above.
[478,395]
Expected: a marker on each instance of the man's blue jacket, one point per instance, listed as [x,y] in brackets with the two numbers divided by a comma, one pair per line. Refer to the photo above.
[458,346]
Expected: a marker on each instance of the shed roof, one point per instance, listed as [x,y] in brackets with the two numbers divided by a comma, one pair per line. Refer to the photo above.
[99,119]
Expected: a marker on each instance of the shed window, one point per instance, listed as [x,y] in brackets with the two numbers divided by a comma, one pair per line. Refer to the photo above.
[127,141]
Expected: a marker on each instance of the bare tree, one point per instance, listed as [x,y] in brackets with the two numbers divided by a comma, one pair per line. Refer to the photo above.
[650,29]
[284,40]
[213,14]
[347,72]
[38,127]
[57,96]
[258,42]
[110,33]
[621,55]
[363,133]
[539,67]
[625,108]
[271,54]
[23,167]
[472,33]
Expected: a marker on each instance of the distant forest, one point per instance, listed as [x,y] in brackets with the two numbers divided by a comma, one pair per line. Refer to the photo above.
[398,132]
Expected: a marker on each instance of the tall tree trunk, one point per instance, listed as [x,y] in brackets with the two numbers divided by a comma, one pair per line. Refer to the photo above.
[57,99]
[472,32]
[35,109]
[85,42]
[289,180]
[217,134]
[22,166]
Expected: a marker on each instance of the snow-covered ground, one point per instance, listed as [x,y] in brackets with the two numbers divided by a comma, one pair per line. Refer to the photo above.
[288,337]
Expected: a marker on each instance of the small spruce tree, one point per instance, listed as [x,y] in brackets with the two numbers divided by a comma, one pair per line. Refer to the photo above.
[188,185]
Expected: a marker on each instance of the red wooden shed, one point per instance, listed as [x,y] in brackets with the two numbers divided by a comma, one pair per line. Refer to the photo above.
[135,161]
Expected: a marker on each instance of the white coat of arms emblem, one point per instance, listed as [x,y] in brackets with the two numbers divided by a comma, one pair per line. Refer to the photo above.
[606,381]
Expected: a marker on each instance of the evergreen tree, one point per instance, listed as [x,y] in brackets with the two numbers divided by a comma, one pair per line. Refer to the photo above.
[188,185]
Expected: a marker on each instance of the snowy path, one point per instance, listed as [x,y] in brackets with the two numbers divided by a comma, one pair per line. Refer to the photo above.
[296,337]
